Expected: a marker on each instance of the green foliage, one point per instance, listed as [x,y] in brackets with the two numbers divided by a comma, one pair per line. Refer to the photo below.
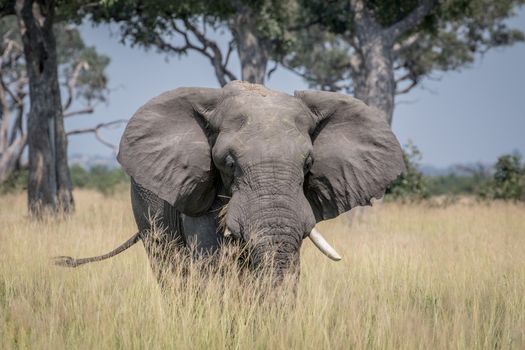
[16,182]
[328,64]
[449,38]
[465,180]
[453,184]
[411,185]
[163,25]
[98,178]
[508,181]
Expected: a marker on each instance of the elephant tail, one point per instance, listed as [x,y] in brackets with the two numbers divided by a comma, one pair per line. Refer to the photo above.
[67,261]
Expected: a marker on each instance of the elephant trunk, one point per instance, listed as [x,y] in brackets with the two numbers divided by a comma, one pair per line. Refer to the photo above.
[274,236]
[270,213]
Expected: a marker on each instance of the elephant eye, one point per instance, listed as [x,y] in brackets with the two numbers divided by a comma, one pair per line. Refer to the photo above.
[229,162]
[309,161]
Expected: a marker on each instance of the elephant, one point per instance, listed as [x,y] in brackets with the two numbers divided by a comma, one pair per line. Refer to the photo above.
[278,164]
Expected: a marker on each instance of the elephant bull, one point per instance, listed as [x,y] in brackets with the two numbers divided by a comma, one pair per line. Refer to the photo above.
[281,163]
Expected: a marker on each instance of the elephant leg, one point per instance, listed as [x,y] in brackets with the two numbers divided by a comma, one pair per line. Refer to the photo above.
[162,229]
[201,234]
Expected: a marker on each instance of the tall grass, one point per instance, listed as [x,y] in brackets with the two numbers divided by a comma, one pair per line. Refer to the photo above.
[412,276]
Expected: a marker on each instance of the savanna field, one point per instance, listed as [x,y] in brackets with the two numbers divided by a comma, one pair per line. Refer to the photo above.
[413,276]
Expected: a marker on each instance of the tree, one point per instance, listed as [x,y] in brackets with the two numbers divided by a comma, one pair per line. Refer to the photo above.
[81,76]
[508,181]
[377,49]
[258,30]
[49,184]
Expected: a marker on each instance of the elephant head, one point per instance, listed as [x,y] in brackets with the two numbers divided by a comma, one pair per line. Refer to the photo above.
[286,162]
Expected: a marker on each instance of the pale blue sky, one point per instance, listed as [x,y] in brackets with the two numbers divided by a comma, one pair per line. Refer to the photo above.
[468,116]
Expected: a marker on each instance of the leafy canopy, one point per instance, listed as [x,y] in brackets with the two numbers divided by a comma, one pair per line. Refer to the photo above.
[448,38]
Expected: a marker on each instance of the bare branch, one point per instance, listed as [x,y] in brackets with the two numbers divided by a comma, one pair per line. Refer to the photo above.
[86,110]
[12,52]
[297,72]
[327,86]
[18,127]
[72,83]
[205,46]
[272,70]
[407,89]
[221,71]
[231,46]
[96,130]
[4,127]
[10,156]
[406,77]
[16,97]
[412,19]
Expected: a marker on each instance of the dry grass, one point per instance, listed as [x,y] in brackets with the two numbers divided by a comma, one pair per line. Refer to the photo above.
[412,277]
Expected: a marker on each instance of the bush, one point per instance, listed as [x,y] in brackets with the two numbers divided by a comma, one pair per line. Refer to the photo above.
[508,181]
[467,181]
[99,178]
[16,182]
[411,185]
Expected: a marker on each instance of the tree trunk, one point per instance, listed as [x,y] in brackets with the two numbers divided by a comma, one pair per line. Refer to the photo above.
[373,80]
[253,51]
[49,186]
[64,184]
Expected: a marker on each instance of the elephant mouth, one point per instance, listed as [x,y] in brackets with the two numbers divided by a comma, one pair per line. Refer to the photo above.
[315,236]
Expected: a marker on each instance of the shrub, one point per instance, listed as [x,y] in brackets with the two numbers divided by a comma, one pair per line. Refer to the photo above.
[16,182]
[99,178]
[465,180]
[411,184]
[508,181]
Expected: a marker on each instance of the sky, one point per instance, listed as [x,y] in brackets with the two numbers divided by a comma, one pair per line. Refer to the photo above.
[467,116]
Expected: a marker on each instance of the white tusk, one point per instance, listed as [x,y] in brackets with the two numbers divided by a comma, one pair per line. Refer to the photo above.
[227,232]
[321,243]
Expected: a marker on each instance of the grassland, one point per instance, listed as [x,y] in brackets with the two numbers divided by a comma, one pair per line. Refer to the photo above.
[412,276]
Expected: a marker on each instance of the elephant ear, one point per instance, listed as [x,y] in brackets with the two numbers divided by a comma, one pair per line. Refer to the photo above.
[165,148]
[356,155]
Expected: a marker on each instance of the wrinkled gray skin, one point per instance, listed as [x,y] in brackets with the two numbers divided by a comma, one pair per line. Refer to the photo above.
[287,162]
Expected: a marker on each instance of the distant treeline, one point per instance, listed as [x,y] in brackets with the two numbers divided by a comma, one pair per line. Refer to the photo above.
[98,177]
[506,180]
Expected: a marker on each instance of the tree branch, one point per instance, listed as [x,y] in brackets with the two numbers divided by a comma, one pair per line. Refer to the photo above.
[412,19]
[413,83]
[221,71]
[9,158]
[326,86]
[231,45]
[17,127]
[4,127]
[405,44]
[96,130]
[272,70]
[86,110]
[72,83]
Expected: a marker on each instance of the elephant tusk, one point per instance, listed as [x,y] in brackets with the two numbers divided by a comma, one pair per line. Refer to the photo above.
[321,243]
[227,232]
